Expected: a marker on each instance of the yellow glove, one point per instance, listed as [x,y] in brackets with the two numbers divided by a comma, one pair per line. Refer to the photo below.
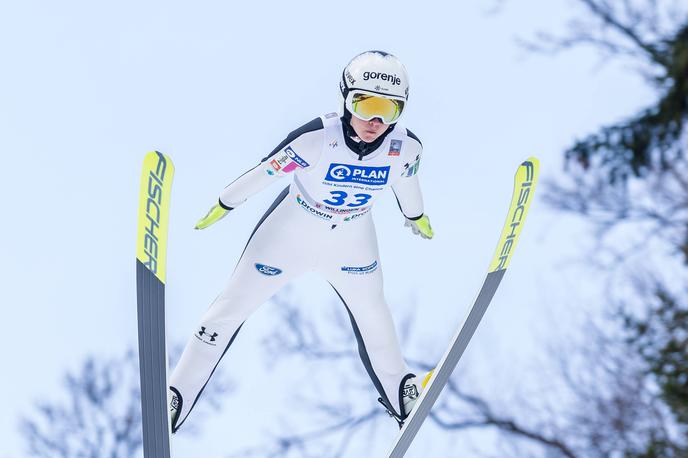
[421,226]
[214,215]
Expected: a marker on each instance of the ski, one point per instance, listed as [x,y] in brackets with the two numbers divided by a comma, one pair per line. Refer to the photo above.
[151,254]
[524,187]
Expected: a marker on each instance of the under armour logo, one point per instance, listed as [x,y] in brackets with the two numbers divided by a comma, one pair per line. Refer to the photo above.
[202,332]
[206,337]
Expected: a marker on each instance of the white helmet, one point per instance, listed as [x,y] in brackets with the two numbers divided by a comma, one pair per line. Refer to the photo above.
[375,84]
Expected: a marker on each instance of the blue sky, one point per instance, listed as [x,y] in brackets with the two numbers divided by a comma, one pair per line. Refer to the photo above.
[87,88]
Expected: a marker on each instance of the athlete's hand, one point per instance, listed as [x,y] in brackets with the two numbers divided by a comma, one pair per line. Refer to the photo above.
[214,215]
[421,226]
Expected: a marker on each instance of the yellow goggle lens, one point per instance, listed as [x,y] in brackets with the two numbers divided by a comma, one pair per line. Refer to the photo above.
[367,107]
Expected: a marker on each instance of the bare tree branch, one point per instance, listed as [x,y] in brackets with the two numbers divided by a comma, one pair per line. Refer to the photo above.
[101,415]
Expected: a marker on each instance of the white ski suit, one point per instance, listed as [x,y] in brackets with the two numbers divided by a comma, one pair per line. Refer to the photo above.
[321,222]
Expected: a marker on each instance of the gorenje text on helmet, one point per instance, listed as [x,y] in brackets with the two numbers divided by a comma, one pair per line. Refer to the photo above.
[394,79]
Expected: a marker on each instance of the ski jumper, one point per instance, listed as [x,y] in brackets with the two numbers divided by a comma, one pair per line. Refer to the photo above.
[321,222]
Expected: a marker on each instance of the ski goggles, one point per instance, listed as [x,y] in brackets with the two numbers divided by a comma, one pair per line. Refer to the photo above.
[367,106]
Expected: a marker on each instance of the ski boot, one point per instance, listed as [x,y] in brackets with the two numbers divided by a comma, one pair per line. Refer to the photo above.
[174,399]
[410,390]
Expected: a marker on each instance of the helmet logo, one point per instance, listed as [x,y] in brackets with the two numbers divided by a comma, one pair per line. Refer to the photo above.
[394,79]
[351,79]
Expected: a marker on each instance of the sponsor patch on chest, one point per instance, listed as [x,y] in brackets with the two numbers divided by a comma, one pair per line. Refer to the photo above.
[348,173]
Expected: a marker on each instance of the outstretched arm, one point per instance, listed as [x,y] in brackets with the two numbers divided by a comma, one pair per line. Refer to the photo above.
[237,193]
[248,184]
[410,202]
[409,196]
[301,149]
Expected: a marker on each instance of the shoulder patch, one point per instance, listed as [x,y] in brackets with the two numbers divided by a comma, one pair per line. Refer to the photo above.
[413,136]
[394,147]
[411,168]
[311,126]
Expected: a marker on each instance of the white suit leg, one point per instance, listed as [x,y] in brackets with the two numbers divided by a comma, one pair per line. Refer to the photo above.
[356,275]
[272,257]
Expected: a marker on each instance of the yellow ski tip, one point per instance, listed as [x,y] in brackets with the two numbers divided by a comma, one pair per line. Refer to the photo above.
[427,378]
[154,204]
[524,186]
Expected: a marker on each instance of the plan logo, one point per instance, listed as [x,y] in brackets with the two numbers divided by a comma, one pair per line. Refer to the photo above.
[206,337]
[347,173]
[268,270]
